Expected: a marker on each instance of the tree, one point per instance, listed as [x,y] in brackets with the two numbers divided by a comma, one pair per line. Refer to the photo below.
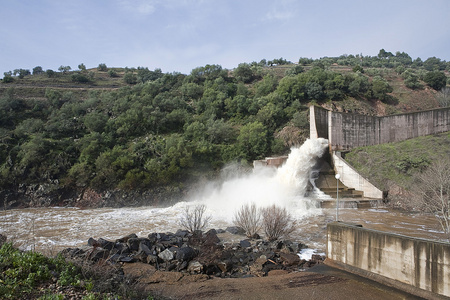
[294,70]
[266,86]
[81,78]
[82,67]
[433,188]
[314,91]
[50,73]
[358,68]
[64,69]
[411,80]
[23,72]
[434,64]
[112,73]
[244,73]
[384,54]
[436,79]
[305,61]
[102,67]
[144,74]
[130,78]
[7,78]
[37,70]
[380,88]
[252,141]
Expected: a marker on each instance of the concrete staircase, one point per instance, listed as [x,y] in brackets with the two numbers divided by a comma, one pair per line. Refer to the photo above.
[348,197]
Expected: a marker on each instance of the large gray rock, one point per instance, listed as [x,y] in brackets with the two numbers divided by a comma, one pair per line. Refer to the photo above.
[245,244]
[235,230]
[186,254]
[166,255]
[144,249]
[195,267]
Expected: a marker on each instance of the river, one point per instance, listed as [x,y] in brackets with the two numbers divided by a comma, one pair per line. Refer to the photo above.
[52,229]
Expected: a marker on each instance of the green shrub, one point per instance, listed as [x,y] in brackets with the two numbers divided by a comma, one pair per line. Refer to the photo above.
[22,271]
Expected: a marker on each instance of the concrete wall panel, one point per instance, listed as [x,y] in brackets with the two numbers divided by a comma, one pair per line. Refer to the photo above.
[347,131]
[420,263]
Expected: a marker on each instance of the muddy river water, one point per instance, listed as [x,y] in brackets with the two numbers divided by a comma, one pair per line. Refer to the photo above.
[53,229]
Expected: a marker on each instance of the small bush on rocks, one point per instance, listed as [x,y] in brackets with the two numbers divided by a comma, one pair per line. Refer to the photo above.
[277,222]
[195,219]
[248,218]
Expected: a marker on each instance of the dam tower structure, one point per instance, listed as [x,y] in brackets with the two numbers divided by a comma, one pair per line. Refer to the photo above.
[345,131]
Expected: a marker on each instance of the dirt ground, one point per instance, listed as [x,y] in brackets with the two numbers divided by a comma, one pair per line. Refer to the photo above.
[319,282]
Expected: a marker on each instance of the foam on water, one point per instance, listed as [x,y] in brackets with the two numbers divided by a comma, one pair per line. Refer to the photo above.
[285,186]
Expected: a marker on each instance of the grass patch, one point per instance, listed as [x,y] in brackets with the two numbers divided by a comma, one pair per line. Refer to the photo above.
[398,162]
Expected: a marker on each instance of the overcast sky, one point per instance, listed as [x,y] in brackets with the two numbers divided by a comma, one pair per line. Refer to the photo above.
[179,35]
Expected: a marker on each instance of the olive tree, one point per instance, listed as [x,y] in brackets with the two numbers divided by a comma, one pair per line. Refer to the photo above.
[37,70]
[64,69]
[436,79]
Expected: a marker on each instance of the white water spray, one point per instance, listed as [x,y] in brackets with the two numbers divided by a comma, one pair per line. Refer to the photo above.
[285,186]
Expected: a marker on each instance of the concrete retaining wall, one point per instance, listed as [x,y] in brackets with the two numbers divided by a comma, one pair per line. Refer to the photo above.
[421,264]
[352,179]
[346,131]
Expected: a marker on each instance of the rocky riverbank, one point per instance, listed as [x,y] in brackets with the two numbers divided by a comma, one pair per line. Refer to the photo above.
[173,256]
[54,194]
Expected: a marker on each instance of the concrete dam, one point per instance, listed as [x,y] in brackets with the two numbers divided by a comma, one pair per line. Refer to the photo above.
[419,266]
[346,131]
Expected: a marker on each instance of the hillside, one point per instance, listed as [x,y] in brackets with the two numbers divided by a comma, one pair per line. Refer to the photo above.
[392,167]
[125,136]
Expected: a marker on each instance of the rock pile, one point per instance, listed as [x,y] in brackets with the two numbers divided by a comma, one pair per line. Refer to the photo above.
[198,253]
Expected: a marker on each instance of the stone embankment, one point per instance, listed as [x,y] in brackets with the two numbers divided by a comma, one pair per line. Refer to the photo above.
[173,256]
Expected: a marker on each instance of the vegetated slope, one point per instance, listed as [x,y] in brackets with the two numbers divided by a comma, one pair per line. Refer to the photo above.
[93,131]
[392,167]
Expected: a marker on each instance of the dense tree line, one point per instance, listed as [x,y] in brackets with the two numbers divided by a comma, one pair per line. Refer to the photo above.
[164,128]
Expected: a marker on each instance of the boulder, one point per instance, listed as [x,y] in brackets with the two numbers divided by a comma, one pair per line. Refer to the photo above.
[98,253]
[166,255]
[126,238]
[92,242]
[127,259]
[235,230]
[105,244]
[195,267]
[245,244]
[144,249]
[133,243]
[186,254]
[120,248]
[152,259]
[210,238]
[224,266]
[257,267]
[289,259]
[182,233]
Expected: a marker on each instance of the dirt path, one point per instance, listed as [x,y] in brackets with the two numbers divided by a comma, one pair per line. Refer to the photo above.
[321,282]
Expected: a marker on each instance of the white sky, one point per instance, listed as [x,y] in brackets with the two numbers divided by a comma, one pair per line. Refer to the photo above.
[179,35]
